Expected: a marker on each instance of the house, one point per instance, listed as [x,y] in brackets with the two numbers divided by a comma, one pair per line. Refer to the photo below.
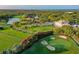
[31,15]
[36,17]
[69,12]
[75,25]
[60,23]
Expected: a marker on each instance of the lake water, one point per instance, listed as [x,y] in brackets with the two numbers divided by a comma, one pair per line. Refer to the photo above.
[12,20]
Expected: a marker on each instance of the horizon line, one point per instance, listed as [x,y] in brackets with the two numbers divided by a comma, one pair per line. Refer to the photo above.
[40,7]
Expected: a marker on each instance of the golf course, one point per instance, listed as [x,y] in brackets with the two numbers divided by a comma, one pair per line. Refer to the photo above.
[67,46]
[39,32]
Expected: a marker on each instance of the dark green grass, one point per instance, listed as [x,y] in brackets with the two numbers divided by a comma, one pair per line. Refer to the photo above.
[62,46]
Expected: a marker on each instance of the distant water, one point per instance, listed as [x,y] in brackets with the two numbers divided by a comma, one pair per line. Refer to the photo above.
[12,20]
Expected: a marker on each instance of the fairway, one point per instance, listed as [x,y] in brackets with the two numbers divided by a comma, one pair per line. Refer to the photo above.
[9,38]
[39,29]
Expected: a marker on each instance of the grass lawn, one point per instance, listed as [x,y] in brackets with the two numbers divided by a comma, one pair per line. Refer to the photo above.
[18,16]
[40,29]
[70,46]
[9,38]
[62,46]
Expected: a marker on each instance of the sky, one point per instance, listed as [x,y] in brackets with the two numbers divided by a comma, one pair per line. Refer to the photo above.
[38,7]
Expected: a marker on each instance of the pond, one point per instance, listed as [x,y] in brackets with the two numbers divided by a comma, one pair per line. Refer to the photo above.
[12,20]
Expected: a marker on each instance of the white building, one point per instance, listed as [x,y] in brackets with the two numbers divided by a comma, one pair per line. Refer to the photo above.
[36,17]
[75,25]
[61,23]
[69,12]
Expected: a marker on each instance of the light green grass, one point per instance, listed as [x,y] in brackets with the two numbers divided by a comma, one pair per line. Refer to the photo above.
[19,16]
[40,29]
[10,38]
[6,41]
[14,33]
